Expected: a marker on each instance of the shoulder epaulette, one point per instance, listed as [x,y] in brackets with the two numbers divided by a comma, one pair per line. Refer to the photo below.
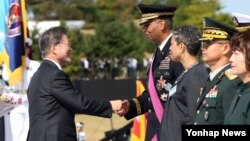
[230,75]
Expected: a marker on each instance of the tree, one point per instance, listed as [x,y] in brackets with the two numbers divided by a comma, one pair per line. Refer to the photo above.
[57,9]
[117,33]
[192,12]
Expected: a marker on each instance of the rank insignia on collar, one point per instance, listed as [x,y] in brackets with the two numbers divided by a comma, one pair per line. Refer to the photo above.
[164,97]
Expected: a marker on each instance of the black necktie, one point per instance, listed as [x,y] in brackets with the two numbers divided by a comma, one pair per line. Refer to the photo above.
[208,81]
[157,55]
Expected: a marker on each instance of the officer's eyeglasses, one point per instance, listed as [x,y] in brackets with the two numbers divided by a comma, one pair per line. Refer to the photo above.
[207,44]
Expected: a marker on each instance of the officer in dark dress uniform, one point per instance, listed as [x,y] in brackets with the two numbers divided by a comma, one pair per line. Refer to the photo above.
[156,22]
[216,96]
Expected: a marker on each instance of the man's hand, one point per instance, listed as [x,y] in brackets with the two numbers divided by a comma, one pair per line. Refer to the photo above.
[120,107]
[125,108]
[116,105]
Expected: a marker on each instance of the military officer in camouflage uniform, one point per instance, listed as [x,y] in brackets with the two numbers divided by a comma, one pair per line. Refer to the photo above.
[156,23]
[216,96]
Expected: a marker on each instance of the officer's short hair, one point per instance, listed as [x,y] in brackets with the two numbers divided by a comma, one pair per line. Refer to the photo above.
[188,35]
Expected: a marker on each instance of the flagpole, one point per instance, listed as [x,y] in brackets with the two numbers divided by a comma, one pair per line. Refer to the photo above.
[25,35]
[24,19]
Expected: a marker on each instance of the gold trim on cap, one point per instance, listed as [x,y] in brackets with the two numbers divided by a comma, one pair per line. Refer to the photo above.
[243,28]
[157,14]
[148,16]
[209,34]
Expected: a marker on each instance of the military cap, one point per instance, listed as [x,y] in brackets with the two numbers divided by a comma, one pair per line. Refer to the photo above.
[150,12]
[241,21]
[213,29]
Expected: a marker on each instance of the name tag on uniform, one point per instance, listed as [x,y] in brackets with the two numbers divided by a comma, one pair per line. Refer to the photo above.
[172,90]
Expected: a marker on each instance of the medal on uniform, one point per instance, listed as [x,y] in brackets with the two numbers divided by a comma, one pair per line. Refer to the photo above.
[212,93]
[164,97]
[160,83]
[204,102]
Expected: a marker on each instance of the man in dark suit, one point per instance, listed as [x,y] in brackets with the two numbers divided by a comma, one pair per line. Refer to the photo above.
[156,22]
[53,100]
[221,85]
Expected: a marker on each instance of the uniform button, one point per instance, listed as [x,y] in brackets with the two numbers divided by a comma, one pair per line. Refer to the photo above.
[148,99]
[149,110]
[206,115]
[198,111]
[195,123]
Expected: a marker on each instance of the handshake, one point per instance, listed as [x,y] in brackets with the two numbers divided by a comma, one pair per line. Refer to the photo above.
[120,107]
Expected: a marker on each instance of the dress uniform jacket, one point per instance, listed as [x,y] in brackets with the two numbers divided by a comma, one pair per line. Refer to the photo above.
[239,111]
[216,98]
[164,69]
[53,102]
[180,108]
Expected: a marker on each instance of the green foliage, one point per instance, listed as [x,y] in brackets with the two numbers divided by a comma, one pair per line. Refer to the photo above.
[116,34]
[114,39]
[56,9]
[76,39]
[35,47]
[192,12]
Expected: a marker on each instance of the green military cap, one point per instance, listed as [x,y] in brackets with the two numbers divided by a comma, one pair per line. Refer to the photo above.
[150,12]
[213,29]
[241,21]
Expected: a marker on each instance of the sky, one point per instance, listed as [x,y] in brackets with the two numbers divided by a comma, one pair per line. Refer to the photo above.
[236,6]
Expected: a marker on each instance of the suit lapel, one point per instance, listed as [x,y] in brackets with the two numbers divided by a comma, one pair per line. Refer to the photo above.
[160,55]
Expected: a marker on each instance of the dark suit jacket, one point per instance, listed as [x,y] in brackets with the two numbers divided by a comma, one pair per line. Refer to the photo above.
[163,67]
[216,98]
[53,102]
[180,108]
[239,111]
